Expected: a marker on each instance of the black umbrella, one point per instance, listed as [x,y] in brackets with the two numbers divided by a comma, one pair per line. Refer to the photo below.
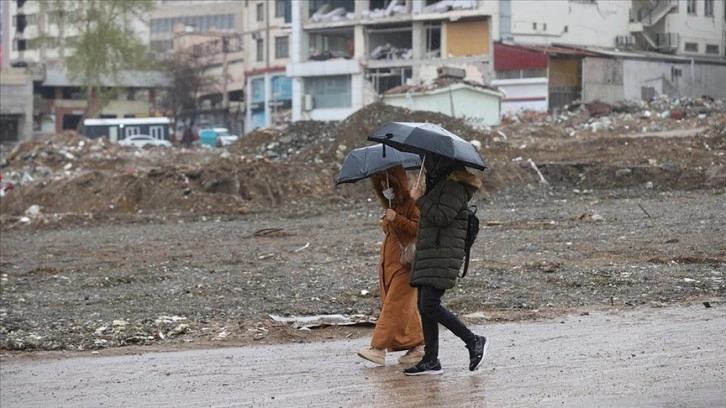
[364,161]
[425,138]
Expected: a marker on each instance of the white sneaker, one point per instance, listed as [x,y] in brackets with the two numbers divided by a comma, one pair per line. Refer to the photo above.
[374,355]
[412,356]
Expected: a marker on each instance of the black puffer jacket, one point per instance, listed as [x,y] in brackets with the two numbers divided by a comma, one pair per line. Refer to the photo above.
[442,230]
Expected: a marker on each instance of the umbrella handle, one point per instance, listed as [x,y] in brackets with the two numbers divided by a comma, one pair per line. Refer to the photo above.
[420,171]
[388,185]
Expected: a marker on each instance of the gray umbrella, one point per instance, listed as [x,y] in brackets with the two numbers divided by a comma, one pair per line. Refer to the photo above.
[426,137]
[364,161]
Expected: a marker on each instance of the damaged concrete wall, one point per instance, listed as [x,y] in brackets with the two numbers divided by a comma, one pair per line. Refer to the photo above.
[523,94]
[693,79]
[475,72]
[16,104]
[459,101]
[602,79]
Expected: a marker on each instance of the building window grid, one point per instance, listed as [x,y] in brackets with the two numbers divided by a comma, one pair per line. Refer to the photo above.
[690,47]
[691,7]
[282,47]
[222,22]
[260,12]
[708,8]
[712,49]
[279,8]
[260,50]
[330,92]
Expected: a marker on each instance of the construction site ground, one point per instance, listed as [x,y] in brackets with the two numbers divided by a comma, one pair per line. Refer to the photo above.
[113,249]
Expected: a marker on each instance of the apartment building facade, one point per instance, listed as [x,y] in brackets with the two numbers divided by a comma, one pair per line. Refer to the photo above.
[267,42]
[679,27]
[213,29]
[551,53]
[35,40]
[345,53]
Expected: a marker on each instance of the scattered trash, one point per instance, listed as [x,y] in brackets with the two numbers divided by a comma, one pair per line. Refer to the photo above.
[324,320]
[303,247]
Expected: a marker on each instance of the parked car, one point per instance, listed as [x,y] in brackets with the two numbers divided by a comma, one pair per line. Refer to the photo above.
[224,138]
[216,137]
[143,140]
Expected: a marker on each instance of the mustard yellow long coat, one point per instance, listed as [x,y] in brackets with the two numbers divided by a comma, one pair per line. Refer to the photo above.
[399,324]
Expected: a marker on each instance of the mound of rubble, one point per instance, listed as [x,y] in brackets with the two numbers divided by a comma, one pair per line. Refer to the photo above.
[70,176]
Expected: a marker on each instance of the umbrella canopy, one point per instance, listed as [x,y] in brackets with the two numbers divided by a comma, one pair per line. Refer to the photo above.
[422,138]
[364,161]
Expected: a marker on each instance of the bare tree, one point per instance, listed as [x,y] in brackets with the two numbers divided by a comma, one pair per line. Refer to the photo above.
[188,73]
[101,43]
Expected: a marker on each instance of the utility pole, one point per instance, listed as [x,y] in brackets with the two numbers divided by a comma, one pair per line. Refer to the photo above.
[225,74]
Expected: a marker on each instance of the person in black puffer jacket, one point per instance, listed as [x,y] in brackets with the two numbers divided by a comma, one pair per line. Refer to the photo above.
[439,256]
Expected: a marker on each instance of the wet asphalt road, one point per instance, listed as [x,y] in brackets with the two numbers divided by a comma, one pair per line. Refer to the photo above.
[673,357]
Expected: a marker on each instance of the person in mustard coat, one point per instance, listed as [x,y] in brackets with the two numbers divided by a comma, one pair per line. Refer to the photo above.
[399,325]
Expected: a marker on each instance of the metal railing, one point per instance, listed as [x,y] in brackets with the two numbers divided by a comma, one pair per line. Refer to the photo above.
[645,16]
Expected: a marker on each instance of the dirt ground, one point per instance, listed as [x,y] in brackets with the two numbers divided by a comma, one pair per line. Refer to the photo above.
[105,247]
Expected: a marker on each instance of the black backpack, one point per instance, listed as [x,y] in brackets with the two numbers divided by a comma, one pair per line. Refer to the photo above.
[472,230]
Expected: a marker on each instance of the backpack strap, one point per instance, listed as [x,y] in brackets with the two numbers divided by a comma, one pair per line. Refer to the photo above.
[468,250]
[466,265]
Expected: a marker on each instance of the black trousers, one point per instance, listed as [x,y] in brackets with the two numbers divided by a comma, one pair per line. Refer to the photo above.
[433,314]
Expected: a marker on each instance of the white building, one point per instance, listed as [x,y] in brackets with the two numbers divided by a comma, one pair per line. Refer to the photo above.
[345,53]
[554,52]
[36,38]
[451,96]
[692,27]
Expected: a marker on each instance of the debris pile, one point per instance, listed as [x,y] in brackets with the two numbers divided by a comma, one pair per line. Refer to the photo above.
[70,176]
[580,119]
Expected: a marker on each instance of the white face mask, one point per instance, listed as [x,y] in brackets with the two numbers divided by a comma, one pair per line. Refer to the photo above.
[389,194]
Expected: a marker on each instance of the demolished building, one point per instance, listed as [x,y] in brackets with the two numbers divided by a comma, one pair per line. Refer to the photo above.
[343,57]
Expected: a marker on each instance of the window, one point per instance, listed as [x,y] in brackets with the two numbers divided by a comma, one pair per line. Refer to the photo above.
[279,8]
[19,45]
[691,47]
[260,50]
[712,49]
[260,12]
[691,6]
[708,8]
[55,16]
[676,73]
[330,91]
[282,47]
[161,45]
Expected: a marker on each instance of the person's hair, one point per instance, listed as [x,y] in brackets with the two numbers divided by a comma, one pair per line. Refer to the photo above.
[438,165]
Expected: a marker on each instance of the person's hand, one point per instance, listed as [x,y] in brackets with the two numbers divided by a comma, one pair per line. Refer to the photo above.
[416,193]
[389,215]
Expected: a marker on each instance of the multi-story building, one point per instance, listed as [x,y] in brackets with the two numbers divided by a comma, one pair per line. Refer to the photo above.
[214,27]
[267,42]
[552,53]
[344,53]
[35,41]
[694,28]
